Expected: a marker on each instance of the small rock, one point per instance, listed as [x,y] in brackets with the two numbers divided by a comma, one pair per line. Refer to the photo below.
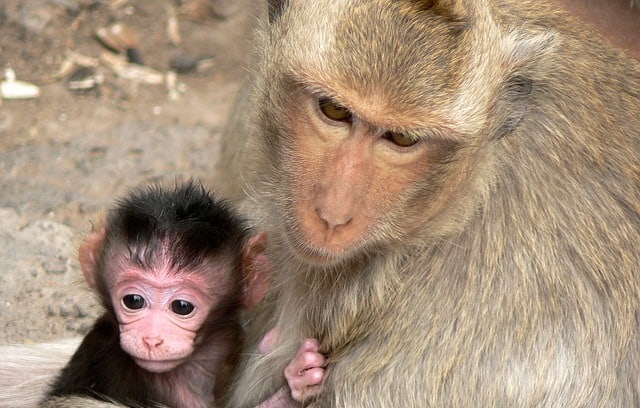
[84,79]
[55,266]
[117,37]
[80,311]
[134,56]
[65,311]
[11,88]
[183,63]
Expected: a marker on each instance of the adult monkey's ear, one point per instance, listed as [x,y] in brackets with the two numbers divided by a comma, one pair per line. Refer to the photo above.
[523,54]
[276,7]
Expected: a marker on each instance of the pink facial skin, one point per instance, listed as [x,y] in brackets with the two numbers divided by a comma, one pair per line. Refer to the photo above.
[159,314]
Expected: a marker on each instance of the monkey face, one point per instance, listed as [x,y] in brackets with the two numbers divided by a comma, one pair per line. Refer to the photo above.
[353,183]
[159,317]
[365,157]
[382,136]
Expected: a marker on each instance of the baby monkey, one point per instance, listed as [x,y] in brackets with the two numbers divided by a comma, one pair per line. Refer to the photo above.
[173,269]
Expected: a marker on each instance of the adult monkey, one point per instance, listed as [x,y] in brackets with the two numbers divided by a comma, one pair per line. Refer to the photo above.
[452,193]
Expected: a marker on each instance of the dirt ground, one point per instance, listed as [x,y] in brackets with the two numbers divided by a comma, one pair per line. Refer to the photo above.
[66,155]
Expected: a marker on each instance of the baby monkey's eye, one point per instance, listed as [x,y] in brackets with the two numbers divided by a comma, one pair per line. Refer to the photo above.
[182,307]
[333,111]
[133,302]
[400,139]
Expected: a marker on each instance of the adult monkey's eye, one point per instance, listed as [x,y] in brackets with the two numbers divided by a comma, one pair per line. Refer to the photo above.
[400,139]
[133,302]
[182,307]
[333,111]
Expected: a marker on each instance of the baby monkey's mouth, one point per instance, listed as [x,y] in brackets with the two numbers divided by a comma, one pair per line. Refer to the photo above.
[158,366]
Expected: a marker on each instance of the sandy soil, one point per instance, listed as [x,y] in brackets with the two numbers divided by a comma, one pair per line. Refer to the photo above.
[66,155]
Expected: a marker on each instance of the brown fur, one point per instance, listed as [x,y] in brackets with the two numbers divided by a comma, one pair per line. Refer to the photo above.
[494,263]
[618,20]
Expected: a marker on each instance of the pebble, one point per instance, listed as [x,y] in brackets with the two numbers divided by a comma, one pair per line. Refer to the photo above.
[84,79]
[55,266]
[65,311]
[11,88]
[183,63]
[80,311]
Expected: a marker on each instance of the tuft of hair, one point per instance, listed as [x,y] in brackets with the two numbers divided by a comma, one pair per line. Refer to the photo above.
[187,224]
